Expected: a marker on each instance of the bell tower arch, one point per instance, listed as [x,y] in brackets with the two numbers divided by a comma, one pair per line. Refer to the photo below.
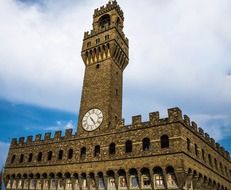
[105,55]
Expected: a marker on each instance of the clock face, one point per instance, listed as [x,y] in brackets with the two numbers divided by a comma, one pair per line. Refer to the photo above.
[92,119]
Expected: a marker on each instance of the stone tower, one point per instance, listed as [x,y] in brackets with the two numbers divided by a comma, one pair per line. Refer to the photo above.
[105,55]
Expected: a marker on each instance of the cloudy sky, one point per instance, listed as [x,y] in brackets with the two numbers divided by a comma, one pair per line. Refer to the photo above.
[180,55]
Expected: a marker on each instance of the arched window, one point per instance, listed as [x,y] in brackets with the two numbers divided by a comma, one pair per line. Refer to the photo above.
[39,158]
[203,154]
[30,157]
[171,178]
[210,159]
[60,157]
[97,151]
[104,21]
[70,153]
[13,159]
[49,156]
[146,144]
[196,149]
[188,144]
[112,148]
[21,158]
[83,152]
[164,140]
[158,177]
[215,162]
[128,146]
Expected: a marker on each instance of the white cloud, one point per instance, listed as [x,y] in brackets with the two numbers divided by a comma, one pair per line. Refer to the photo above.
[4,147]
[179,55]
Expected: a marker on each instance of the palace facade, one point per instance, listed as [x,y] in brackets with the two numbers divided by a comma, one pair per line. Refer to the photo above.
[106,154]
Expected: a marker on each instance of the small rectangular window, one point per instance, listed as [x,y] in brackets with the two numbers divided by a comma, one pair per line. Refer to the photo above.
[88,44]
[97,40]
[107,37]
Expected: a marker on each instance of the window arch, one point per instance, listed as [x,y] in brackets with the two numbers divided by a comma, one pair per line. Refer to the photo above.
[164,141]
[104,21]
[70,153]
[30,157]
[196,149]
[203,154]
[39,158]
[13,159]
[83,152]
[210,159]
[112,148]
[128,146]
[171,177]
[188,144]
[60,157]
[49,156]
[21,158]
[97,151]
[146,144]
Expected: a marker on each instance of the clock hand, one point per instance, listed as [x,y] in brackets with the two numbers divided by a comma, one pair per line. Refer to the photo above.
[92,120]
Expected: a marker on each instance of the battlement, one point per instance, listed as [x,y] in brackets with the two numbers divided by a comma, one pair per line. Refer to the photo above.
[109,6]
[22,141]
[174,115]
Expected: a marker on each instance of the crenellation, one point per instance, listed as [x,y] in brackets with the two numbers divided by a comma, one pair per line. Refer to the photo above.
[38,137]
[14,142]
[154,118]
[201,132]
[47,136]
[207,137]
[21,140]
[136,120]
[213,142]
[174,114]
[29,139]
[194,126]
[58,135]
[107,8]
[121,124]
[68,133]
[186,120]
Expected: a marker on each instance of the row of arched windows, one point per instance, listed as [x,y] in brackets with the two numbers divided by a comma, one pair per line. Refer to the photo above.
[209,157]
[146,146]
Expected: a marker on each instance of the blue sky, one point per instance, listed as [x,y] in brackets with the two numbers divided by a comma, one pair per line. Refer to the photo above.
[179,56]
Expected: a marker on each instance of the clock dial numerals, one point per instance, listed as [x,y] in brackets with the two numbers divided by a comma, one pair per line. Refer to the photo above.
[92,119]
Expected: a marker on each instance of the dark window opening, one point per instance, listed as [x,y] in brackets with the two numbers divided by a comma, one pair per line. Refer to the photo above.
[70,153]
[97,66]
[146,144]
[83,152]
[88,44]
[39,158]
[107,37]
[164,140]
[21,158]
[188,144]
[196,150]
[203,154]
[210,159]
[117,92]
[128,146]
[215,162]
[104,21]
[60,157]
[49,157]
[97,151]
[97,40]
[112,148]
[13,159]
[30,157]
